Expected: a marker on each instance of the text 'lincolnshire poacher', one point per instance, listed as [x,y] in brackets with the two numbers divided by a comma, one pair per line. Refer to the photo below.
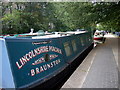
[33,53]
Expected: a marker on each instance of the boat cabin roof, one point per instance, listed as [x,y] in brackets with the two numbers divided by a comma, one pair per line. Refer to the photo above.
[45,35]
[58,34]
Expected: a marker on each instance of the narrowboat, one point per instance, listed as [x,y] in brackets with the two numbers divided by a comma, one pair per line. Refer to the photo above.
[28,60]
[99,35]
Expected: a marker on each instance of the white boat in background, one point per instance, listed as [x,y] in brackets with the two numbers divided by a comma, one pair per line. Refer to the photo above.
[99,35]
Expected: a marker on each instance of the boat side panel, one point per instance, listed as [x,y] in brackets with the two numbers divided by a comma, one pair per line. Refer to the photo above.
[6,77]
[83,41]
[27,58]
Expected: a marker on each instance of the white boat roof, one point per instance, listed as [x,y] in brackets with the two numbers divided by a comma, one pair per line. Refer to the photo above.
[59,34]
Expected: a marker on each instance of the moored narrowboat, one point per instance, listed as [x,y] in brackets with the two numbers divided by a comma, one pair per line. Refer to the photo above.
[99,35]
[30,60]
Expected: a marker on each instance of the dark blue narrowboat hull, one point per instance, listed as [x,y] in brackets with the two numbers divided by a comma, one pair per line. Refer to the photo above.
[28,62]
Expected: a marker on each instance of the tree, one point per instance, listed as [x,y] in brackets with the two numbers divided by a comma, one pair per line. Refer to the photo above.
[108,15]
[19,17]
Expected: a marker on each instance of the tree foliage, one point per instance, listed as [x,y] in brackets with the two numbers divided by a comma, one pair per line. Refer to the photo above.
[19,17]
[108,15]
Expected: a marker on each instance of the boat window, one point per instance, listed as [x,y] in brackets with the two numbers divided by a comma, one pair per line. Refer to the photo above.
[82,42]
[67,49]
[46,57]
[74,45]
